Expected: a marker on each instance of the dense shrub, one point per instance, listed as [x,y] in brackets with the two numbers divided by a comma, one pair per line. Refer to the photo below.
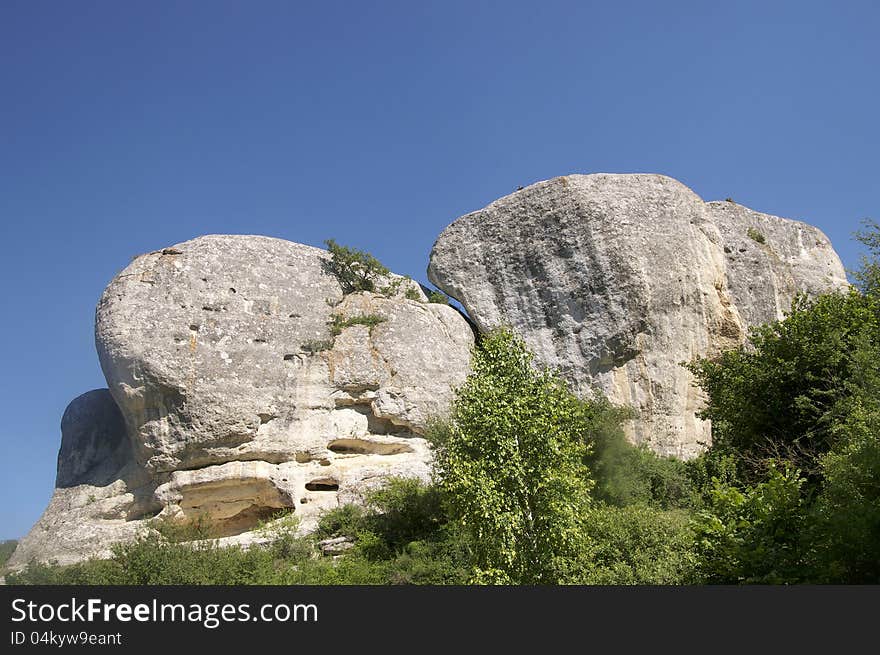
[626,474]
[754,535]
[638,545]
[782,397]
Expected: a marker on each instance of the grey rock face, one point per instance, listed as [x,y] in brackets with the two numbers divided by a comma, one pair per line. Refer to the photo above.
[239,402]
[94,443]
[616,279]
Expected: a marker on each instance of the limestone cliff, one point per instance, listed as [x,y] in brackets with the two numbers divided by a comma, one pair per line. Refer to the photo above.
[616,279]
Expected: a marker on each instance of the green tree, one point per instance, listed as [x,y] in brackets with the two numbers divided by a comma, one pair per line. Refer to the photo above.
[782,397]
[868,277]
[355,269]
[512,466]
[846,530]
[756,534]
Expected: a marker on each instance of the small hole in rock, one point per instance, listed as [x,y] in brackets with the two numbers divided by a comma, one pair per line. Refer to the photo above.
[364,447]
[303,500]
[324,462]
[289,357]
[231,289]
[323,484]
[194,328]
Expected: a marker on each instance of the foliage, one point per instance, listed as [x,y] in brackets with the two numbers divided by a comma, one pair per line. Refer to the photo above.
[868,277]
[6,549]
[512,466]
[846,531]
[355,269]
[754,535]
[626,474]
[337,323]
[404,526]
[639,545]
[781,398]
[438,297]
[755,235]
[197,527]
[412,293]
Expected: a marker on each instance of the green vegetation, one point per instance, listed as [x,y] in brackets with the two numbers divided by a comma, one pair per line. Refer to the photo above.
[868,277]
[755,235]
[6,549]
[799,415]
[412,294]
[787,397]
[513,467]
[198,527]
[355,269]
[438,297]
[337,323]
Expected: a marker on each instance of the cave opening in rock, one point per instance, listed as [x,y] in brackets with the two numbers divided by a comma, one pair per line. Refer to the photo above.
[233,506]
[323,484]
[365,447]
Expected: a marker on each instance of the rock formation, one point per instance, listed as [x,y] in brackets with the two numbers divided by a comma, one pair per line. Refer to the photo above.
[230,397]
[616,279]
[243,382]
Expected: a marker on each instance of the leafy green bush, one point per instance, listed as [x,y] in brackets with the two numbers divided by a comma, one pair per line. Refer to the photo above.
[782,398]
[638,545]
[846,529]
[198,527]
[355,269]
[756,534]
[868,276]
[626,474]
[405,531]
[412,294]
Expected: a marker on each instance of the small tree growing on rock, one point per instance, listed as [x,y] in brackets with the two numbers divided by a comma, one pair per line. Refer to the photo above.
[356,270]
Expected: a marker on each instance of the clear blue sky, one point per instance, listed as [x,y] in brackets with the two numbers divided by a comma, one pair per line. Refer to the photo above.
[126,127]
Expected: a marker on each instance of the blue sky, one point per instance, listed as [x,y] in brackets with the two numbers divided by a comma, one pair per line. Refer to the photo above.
[126,127]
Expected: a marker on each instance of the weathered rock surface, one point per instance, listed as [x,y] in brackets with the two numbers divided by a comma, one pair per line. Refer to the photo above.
[236,401]
[616,279]
[94,445]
